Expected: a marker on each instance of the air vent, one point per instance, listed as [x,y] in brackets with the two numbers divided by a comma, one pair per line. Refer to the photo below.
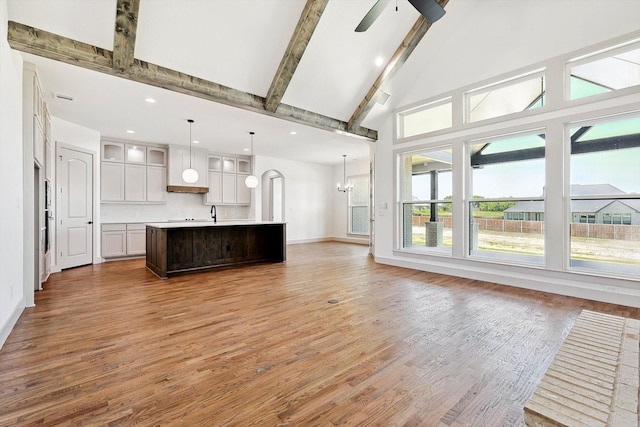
[63,96]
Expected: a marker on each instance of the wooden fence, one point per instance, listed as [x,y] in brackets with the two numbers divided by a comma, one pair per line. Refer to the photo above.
[597,231]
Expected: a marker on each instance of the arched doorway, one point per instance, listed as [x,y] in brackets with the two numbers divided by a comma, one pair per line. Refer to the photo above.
[273,196]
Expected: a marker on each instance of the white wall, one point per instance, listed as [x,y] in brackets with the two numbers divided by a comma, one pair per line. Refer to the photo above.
[308,197]
[340,201]
[12,300]
[72,135]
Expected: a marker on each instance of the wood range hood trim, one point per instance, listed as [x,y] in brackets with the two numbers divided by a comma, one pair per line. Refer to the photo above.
[187,189]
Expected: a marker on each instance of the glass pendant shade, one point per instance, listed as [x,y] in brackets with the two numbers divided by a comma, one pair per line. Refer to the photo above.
[190,176]
[251,181]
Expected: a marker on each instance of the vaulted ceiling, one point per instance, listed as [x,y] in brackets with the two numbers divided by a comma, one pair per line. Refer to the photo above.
[231,51]
[299,65]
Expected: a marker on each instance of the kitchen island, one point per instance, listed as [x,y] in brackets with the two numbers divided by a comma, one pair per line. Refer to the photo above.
[179,247]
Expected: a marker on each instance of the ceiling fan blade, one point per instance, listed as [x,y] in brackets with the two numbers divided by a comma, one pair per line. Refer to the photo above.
[372,15]
[430,9]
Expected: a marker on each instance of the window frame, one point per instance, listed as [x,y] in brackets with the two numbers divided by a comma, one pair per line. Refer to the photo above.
[593,120]
[510,81]
[350,205]
[594,56]
[400,115]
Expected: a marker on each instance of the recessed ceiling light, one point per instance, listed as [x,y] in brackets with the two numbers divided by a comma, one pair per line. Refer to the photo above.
[196,142]
[150,100]
[293,132]
[131,131]
[379,61]
[245,149]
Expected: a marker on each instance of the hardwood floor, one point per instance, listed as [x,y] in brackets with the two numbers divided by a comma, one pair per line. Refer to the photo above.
[260,345]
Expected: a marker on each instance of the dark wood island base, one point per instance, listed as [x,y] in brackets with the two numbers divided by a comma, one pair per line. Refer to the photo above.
[174,248]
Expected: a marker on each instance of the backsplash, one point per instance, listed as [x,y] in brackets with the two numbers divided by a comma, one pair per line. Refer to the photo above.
[178,206]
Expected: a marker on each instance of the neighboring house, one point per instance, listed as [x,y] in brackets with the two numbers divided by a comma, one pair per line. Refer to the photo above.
[600,211]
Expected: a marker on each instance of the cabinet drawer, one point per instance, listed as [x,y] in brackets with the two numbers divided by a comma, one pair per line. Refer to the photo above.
[114,227]
[136,227]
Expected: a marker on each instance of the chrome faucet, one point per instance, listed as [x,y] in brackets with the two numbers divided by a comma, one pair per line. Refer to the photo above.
[214,213]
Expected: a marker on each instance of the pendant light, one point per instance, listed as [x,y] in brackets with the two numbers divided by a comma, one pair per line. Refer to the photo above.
[251,181]
[346,187]
[190,176]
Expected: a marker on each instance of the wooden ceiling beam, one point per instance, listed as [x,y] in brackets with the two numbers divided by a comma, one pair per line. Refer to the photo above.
[124,39]
[396,62]
[307,24]
[43,43]
[53,46]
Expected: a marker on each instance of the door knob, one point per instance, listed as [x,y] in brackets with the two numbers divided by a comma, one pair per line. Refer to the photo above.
[90,222]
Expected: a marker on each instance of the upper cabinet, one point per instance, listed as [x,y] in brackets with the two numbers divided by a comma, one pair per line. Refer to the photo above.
[156,156]
[34,126]
[132,173]
[135,154]
[226,180]
[112,151]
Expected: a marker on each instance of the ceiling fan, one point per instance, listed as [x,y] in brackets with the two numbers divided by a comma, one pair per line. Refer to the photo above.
[430,9]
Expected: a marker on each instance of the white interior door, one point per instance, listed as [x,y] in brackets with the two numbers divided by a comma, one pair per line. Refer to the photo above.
[277,200]
[75,213]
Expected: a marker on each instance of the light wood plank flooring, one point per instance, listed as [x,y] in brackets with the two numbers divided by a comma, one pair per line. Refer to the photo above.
[260,345]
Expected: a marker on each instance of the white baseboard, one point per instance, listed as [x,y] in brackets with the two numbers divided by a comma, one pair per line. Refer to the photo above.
[356,240]
[11,322]
[330,239]
[301,241]
[553,282]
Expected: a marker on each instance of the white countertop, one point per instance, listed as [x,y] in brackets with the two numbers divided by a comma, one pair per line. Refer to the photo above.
[207,223]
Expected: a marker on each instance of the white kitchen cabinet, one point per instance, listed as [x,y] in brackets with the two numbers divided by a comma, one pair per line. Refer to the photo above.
[38,142]
[243,193]
[135,183]
[179,161]
[135,153]
[111,182]
[132,173]
[38,101]
[114,240]
[122,240]
[156,156]
[226,180]
[215,188]
[112,151]
[214,163]
[156,183]
[48,161]
[229,188]
[136,239]
[244,166]
[228,164]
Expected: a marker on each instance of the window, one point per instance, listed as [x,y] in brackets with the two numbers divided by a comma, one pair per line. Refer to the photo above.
[426,118]
[512,96]
[605,195]
[587,218]
[615,69]
[359,205]
[426,201]
[506,202]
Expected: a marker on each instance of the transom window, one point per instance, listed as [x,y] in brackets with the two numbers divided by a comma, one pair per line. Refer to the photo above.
[602,72]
